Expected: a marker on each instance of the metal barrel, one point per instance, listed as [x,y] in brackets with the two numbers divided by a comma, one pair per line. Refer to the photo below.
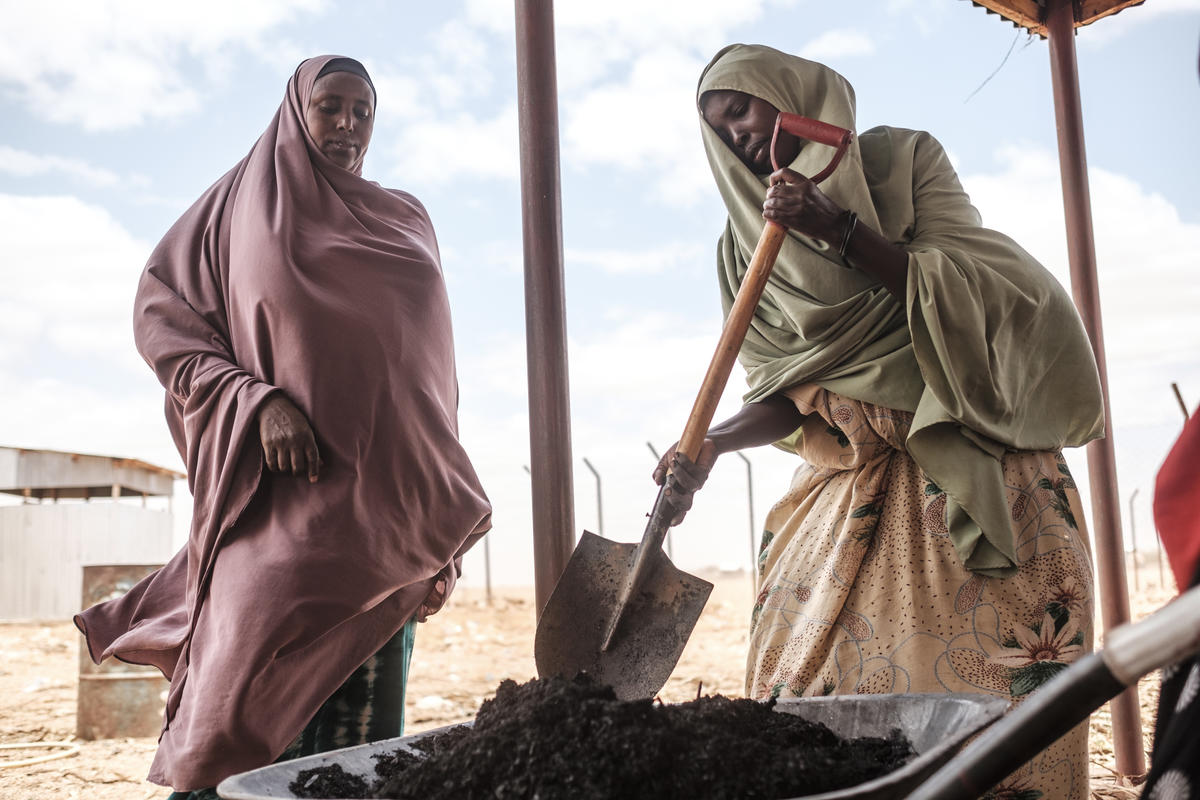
[116,700]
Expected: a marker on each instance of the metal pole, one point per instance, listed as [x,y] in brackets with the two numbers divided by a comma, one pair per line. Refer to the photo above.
[1137,581]
[670,546]
[1179,399]
[1162,579]
[750,505]
[487,569]
[1102,472]
[1158,547]
[599,498]
[545,303]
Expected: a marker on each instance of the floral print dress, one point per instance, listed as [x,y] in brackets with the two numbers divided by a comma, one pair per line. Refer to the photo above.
[861,590]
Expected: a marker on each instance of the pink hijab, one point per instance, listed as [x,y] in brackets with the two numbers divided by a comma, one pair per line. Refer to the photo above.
[292,274]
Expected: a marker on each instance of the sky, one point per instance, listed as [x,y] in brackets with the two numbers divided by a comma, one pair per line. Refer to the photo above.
[120,113]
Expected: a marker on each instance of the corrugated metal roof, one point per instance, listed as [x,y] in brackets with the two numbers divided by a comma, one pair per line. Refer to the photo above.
[1029,14]
[54,473]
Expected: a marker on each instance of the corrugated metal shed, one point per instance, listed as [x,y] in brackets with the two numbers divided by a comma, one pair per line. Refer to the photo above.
[1031,14]
[51,474]
[44,544]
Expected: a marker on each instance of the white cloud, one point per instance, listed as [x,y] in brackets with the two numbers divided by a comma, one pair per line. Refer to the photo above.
[593,39]
[72,378]
[447,116]
[111,64]
[1112,27]
[840,43]
[495,16]
[646,261]
[25,164]
[495,373]
[626,73]
[397,92]
[634,21]
[1145,262]
[283,54]
[457,72]
[69,272]
[646,123]
[441,149]
[632,381]
[460,65]
[1162,7]
[87,419]
[926,15]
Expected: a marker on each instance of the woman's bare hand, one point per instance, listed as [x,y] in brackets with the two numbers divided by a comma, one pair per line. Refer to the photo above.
[433,601]
[288,442]
[761,422]
[683,476]
[795,202]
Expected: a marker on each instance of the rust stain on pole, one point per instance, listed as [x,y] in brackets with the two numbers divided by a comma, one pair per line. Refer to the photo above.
[545,301]
[1102,471]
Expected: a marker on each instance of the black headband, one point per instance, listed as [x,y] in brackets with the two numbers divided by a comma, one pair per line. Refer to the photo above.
[343,64]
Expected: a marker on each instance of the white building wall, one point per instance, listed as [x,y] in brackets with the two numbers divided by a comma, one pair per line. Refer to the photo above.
[44,545]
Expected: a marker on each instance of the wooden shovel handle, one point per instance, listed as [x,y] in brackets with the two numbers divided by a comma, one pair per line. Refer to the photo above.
[738,321]
[736,325]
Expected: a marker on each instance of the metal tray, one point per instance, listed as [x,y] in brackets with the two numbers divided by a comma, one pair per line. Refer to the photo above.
[937,725]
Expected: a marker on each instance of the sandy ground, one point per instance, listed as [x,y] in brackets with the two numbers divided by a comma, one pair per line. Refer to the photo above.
[461,655]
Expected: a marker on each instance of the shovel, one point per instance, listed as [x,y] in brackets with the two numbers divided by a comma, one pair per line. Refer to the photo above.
[623,612]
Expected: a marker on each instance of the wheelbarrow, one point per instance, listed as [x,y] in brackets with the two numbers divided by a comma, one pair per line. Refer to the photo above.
[937,725]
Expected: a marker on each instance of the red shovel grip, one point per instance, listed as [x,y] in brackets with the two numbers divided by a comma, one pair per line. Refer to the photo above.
[814,131]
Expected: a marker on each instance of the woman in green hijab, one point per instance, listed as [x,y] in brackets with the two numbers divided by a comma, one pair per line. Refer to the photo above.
[928,372]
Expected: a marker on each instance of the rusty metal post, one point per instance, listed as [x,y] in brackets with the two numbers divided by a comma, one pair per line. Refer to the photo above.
[1179,399]
[1162,578]
[545,302]
[750,506]
[1137,580]
[753,537]
[1102,472]
[599,497]
[487,570]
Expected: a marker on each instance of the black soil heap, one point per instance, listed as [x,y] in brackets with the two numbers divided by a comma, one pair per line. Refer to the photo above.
[556,738]
[330,781]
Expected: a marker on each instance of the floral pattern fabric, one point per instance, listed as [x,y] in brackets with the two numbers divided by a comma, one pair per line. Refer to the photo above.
[861,590]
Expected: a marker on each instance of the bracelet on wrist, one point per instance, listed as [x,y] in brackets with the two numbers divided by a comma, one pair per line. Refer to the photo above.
[847,232]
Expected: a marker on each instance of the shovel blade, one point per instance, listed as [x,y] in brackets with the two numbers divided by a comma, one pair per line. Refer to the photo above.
[655,627]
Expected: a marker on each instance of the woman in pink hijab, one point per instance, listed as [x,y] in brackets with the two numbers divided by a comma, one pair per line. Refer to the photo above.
[297,317]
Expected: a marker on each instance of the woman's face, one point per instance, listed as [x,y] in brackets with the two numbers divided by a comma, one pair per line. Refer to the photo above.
[745,124]
[340,117]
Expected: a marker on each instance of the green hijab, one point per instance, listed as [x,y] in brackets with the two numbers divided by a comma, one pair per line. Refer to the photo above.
[987,351]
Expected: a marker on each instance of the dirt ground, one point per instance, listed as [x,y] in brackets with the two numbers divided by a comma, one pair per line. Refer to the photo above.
[461,655]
